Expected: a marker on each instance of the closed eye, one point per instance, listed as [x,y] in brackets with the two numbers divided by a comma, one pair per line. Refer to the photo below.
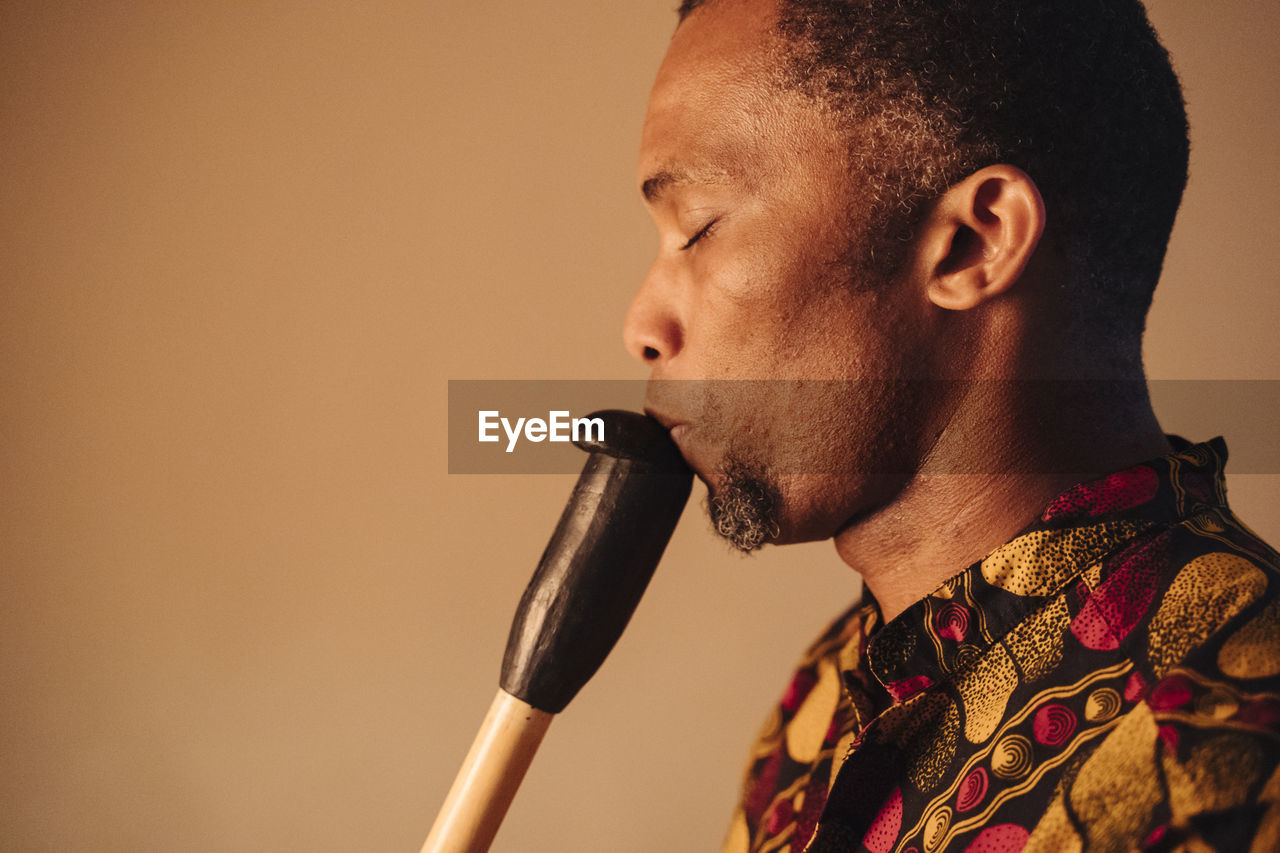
[702,232]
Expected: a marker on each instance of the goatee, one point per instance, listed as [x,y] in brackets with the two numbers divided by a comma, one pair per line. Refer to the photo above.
[745,507]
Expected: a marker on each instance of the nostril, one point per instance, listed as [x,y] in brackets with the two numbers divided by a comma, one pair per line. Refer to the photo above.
[650,353]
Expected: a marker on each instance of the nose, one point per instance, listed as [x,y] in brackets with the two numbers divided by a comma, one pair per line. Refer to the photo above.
[652,331]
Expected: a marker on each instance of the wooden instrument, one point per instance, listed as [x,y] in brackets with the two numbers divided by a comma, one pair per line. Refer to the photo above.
[592,574]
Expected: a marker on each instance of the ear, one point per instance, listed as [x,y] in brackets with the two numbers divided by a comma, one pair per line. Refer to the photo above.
[980,235]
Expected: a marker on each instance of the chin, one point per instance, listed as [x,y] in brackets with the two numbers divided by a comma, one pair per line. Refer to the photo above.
[745,509]
[749,508]
[818,507]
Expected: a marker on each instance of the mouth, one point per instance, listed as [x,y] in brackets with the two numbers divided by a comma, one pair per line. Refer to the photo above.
[677,429]
[670,424]
[691,443]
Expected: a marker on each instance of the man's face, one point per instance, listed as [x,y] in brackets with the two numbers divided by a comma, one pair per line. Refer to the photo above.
[750,191]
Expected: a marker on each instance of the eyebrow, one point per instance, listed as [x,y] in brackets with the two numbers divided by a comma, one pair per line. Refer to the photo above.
[657,184]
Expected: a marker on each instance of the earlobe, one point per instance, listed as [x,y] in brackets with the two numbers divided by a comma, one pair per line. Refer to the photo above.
[980,236]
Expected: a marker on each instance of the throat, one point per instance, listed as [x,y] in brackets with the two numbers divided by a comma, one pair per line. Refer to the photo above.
[1032,445]
[940,525]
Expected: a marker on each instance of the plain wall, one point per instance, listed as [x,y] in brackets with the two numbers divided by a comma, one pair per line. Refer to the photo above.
[244,246]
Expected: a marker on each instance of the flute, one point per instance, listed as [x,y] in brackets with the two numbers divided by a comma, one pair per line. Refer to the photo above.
[592,574]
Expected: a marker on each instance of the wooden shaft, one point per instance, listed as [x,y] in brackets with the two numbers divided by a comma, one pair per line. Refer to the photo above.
[489,777]
[589,580]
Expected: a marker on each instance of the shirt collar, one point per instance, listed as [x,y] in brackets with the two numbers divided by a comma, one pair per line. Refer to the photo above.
[961,619]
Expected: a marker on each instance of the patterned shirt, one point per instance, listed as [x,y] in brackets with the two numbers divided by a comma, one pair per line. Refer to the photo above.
[1108,680]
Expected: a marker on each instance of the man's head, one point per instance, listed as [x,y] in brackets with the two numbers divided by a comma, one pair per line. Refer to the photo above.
[833,180]
[1080,94]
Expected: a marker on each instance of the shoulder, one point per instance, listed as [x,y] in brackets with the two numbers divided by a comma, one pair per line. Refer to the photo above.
[1219,614]
[1193,757]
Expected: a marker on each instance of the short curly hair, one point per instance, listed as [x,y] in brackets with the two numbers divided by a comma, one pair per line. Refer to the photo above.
[1080,94]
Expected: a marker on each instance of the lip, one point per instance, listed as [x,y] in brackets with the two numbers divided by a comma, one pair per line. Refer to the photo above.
[679,432]
[675,428]
[668,423]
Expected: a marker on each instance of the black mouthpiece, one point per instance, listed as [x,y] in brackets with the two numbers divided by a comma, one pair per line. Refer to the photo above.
[594,570]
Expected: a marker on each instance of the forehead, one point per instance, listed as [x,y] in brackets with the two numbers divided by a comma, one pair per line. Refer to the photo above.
[712,103]
[726,35]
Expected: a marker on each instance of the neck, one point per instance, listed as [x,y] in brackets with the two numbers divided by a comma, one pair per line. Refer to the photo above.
[1007,449]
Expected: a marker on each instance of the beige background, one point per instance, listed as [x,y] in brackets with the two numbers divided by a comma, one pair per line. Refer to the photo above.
[243,248]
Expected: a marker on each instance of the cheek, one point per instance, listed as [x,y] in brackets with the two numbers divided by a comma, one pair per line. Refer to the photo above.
[735,324]
[843,448]
[772,304]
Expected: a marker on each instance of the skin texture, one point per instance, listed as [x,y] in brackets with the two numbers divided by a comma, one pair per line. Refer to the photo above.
[750,189]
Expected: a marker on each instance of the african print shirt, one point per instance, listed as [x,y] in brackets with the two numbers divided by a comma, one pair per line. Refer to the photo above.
[1108,680]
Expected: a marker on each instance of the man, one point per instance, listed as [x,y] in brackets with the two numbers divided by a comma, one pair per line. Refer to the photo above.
[907,248]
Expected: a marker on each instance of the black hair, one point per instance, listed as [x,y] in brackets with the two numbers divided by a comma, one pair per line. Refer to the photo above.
[1080,94]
